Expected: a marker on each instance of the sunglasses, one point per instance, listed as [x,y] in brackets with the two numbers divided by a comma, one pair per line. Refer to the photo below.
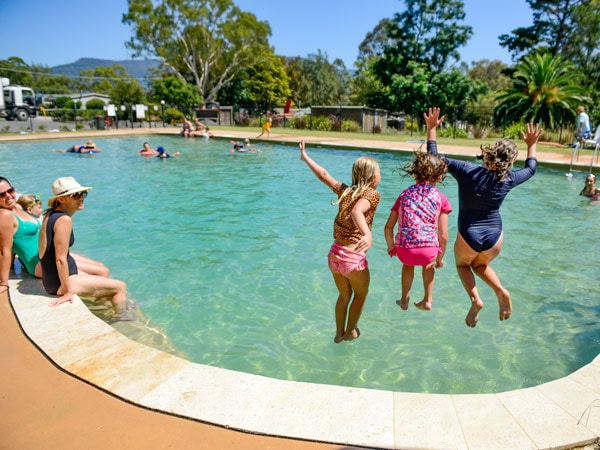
[78,195]
[9,191]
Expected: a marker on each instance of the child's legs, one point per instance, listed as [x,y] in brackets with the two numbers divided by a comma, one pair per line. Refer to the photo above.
[428,281]
[341,306]
[359,281]
[408,275]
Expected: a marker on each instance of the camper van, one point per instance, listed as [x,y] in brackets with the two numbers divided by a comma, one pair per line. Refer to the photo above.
[16,102]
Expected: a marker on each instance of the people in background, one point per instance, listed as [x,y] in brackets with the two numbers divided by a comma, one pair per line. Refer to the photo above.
[89,147]
[589,189]
[584,129]
[162,153]
[147,151]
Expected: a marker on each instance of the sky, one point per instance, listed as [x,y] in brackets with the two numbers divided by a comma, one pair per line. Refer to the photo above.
[52,33]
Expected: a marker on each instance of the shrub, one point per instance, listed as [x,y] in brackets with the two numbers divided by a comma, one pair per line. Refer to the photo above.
[376,129]
[479,133]
[350,125]
[318,123]
[173,115]
[95,103]
[452,132]
[513,131]
[41,127]
[298,123]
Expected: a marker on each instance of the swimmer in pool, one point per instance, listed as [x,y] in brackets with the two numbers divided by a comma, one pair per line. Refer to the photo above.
[89,148]
[590,190]
[481,191]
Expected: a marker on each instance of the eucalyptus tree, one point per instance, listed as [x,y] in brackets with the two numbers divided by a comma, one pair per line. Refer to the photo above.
[205,42]
[545,89]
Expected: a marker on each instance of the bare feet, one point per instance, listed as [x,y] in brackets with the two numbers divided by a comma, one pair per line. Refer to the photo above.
[424,305]
[403,303]
[350,336]
[473,314]
[338,338]
[504,304]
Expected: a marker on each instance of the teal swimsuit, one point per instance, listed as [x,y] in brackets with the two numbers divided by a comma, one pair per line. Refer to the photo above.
[25,243]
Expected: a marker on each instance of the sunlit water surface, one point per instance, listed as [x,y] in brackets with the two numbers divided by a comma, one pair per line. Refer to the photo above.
[227,254]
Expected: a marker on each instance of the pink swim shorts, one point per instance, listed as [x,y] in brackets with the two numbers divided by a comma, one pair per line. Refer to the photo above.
[343,260]
[421,256]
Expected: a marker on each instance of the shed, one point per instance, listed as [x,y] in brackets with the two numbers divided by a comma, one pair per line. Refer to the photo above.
[367,118]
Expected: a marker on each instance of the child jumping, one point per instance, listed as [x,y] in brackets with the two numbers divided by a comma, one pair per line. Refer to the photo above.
[352,238]
[421,212]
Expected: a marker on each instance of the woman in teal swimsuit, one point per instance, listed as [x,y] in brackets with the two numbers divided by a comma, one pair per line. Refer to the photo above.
[18,234]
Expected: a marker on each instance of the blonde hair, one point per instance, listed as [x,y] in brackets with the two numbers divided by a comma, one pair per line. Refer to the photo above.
[499,157]
[28,201]
[364,171]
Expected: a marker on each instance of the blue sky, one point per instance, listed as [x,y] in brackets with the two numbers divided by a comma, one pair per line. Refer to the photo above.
[52,33]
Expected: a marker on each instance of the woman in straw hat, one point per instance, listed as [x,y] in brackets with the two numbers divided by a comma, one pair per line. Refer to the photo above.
[60,274]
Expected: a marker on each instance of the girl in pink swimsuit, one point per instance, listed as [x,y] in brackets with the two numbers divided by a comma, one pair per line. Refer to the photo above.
[352,238]
[421,212]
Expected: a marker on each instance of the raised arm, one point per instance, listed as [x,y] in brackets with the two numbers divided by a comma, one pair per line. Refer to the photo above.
[319,171]
[433,120]
[531,138]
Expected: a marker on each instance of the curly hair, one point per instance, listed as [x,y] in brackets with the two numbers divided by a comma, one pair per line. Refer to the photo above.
[425,167]
[499,157]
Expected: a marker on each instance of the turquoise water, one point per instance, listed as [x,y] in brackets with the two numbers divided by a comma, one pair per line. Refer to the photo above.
[227,253]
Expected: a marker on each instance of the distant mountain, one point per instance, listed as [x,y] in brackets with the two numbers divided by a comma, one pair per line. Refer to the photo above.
[135,68]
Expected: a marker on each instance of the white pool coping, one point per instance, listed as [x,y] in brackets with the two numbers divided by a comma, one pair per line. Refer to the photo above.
[564,413]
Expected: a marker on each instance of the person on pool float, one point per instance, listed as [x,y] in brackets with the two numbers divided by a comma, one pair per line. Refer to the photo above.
[89,147]
[147,151]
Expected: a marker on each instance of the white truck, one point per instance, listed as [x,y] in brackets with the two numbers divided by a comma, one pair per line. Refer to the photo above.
[16,102]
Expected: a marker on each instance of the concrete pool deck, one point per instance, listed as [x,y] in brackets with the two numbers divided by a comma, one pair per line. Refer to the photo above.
[58,404]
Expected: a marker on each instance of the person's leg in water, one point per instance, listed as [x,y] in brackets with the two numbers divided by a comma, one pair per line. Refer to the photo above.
[359,281]
[408,275]
[464,256]
[481,266]
[428,281]
[341,306]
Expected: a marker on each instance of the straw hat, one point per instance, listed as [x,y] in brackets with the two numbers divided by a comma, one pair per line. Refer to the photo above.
[90,144]
[65,186]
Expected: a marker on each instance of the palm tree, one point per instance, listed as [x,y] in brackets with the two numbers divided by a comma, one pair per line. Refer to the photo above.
[545,90]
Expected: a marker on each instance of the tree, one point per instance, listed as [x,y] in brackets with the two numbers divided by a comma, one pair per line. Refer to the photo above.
[491,73]
[545,89]
[267,83]
[103,79]
[174,91]
[375,42]
[205,42]
[569,28]
[316,81]
[428,32]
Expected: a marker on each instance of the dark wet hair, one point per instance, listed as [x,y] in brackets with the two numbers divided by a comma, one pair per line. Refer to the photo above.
[425,167]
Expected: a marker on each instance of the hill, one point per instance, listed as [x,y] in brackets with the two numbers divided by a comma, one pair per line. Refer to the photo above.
[136,68]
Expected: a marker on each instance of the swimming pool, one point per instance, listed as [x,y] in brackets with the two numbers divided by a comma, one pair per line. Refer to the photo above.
[227,253]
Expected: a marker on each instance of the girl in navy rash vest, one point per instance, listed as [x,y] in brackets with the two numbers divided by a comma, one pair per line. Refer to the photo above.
[481,191]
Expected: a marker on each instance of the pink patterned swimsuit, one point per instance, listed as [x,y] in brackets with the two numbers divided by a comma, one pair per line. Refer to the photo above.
[419,207]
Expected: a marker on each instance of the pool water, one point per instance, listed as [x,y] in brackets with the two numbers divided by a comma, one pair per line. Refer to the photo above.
[227,253]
